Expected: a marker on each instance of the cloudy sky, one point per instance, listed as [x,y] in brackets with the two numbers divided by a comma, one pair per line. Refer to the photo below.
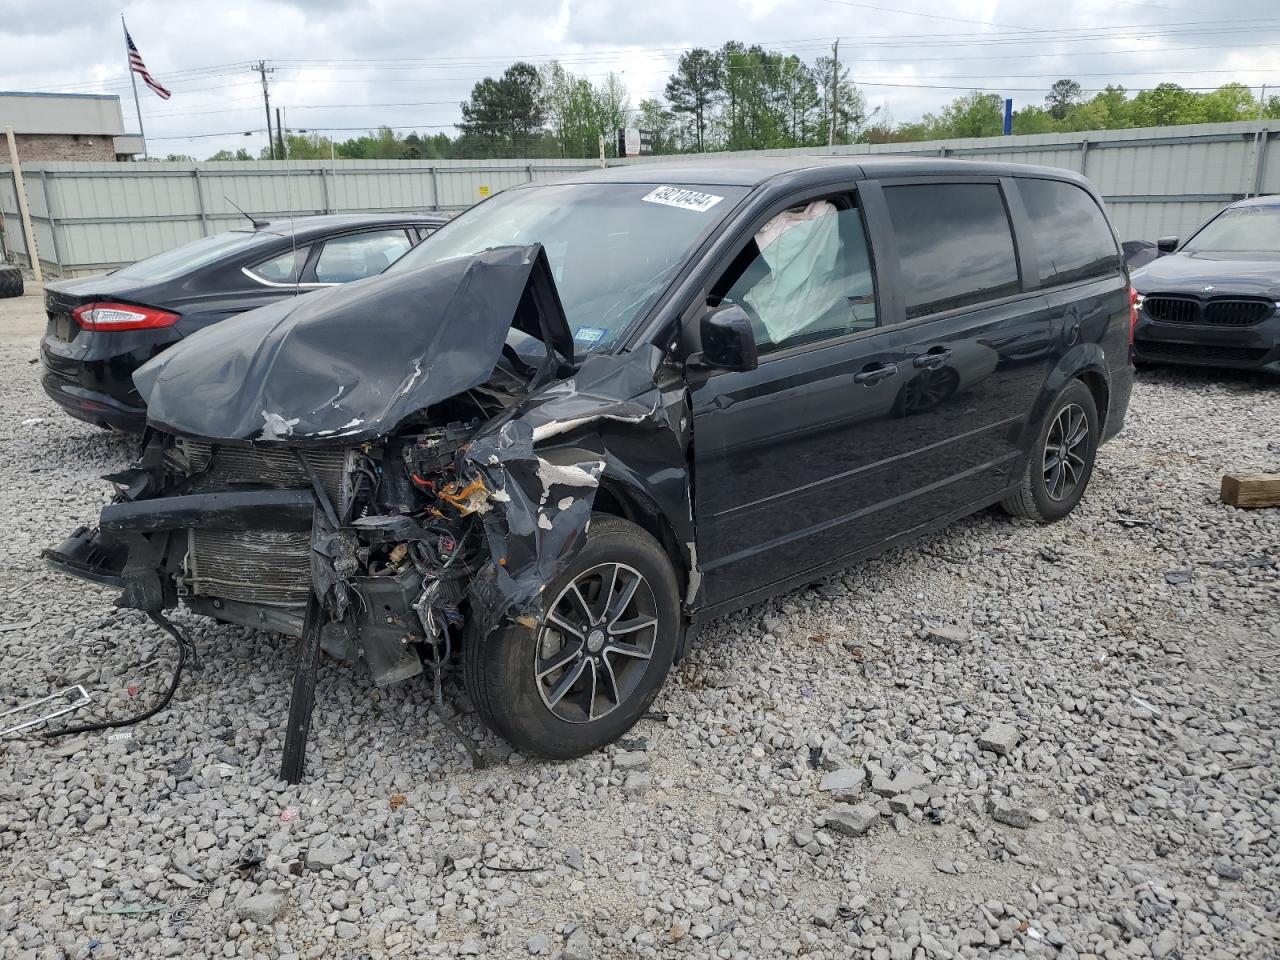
[359,63]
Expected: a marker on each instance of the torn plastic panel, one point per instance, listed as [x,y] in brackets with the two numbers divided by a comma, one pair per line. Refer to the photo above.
[353,363]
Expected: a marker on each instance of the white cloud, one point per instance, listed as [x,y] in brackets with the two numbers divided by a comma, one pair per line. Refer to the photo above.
[431,56]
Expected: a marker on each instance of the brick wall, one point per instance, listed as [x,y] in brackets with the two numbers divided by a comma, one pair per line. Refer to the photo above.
[61,146]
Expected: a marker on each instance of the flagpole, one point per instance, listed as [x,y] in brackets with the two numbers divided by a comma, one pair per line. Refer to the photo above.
[134,77]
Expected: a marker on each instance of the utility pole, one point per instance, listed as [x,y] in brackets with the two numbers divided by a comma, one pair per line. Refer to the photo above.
[835,91]
[280,137]
[1262,102]
[263,69]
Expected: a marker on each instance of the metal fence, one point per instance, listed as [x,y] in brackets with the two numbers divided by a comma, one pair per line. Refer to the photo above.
[95,216]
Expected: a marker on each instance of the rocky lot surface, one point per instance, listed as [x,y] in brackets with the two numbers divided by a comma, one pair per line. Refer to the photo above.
[1005,740]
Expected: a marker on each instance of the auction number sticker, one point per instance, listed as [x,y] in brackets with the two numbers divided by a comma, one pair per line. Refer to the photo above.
[680,197]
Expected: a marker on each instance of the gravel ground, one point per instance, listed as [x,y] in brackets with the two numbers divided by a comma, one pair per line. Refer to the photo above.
[1041,742]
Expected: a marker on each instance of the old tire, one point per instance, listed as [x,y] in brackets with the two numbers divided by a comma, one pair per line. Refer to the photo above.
[1061,460]
[513,676]
[10,281]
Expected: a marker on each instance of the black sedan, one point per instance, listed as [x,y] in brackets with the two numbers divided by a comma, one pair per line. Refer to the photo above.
[102,328]
[1213,302]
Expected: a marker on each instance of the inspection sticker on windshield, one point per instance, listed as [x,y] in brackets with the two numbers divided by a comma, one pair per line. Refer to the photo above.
[589,334]
[680,197]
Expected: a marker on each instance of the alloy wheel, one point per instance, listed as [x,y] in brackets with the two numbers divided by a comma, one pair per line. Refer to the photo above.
[1064,449]
[596,643]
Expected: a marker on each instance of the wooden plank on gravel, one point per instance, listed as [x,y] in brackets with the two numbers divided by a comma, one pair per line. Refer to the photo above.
[1251,490]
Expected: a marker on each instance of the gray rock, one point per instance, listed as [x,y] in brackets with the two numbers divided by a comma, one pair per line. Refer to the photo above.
[1227,870]
[636,784]
[263,908]
[1004,810]
[946,633]
[845,783]
[538,943]
[577,946]
[325,856]
[825,916]
[904,781]
[851,821]
[628,760]
[999,738]
[1165,944]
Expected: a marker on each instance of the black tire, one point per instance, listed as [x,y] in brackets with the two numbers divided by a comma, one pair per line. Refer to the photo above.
[501,673]
[1034,498]
[10,281]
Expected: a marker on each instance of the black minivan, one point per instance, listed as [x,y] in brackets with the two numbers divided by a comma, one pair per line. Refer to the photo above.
[587,416]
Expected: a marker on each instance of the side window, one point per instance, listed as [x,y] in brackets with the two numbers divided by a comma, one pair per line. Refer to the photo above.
[282,269]
[1072,238]
[360,255]
[954,244]
[804,277]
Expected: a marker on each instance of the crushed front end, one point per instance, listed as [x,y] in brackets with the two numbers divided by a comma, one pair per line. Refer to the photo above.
[375,505]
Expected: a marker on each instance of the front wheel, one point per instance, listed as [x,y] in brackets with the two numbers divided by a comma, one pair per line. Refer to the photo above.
[597,659]
[1061,460]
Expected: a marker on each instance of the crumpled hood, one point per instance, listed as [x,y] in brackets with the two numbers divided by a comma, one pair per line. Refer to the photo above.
[350,363]
[1245,275]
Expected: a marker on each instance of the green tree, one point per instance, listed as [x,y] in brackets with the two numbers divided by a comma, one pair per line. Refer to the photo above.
[241,154]
[1108,110]
[1165,105]
[1232,101]
[505,116]
[1034,120]
[973,115]
[654,117]
[1063,95]
[694,90]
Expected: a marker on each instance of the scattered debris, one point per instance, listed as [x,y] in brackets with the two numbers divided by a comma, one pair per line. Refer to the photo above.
[1180,576]
[396,801]
[35,712]
[1251,491]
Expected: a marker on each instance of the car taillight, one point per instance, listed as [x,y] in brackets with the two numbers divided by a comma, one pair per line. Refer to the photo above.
[1135,302]
[121,316]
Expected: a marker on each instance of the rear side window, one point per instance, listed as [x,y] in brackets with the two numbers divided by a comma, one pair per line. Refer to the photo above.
[360,255]
[282,269]
[1072,239]
[955,245]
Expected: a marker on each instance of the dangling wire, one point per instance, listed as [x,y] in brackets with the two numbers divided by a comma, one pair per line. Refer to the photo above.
[185,646]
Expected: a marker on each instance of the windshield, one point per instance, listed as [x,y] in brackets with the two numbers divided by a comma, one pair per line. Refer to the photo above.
[190,256]
[1254,229]
[612,247]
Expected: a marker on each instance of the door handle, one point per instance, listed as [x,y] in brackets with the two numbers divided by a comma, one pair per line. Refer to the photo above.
[934,360]
[875,374]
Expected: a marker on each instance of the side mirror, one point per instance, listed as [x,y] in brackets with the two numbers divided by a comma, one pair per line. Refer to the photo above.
[1167,244]
[728,342]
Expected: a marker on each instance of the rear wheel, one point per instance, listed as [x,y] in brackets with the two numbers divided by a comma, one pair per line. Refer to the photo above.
[592,667]
[1061,461]
[10,281]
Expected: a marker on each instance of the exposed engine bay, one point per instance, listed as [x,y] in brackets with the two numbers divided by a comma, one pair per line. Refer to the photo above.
[378,499]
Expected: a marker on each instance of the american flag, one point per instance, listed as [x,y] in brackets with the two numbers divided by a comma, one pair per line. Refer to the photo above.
[140,68]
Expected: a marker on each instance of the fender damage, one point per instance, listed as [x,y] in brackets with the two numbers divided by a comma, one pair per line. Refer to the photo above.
[416,452]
